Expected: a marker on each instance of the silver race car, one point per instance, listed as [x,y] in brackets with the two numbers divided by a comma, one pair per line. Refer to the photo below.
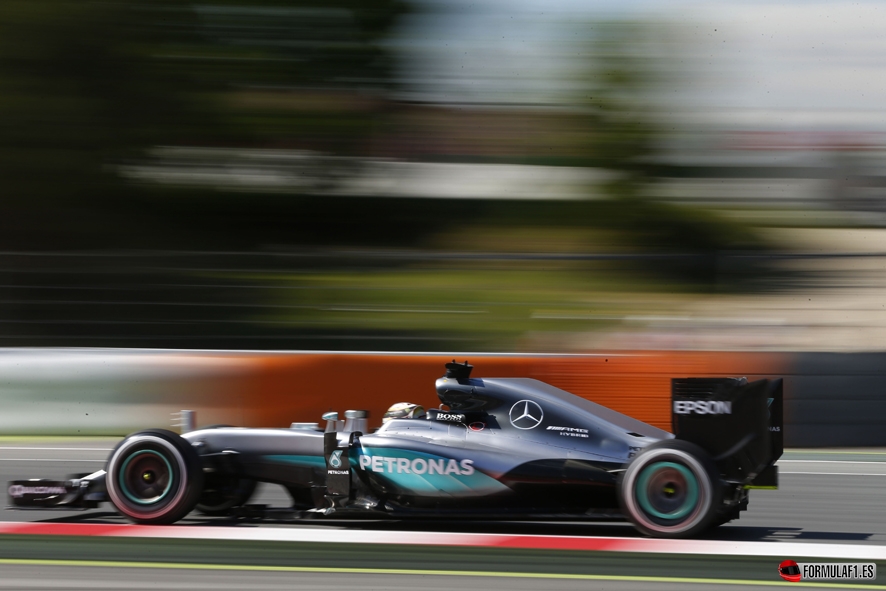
[507,448]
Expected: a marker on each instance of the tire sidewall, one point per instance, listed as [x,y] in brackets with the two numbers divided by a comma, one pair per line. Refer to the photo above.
[186,477]
[702,468]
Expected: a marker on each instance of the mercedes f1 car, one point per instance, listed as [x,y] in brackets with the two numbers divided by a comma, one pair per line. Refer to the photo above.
[496,448]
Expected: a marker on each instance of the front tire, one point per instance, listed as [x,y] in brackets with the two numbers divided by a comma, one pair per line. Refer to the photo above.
[154,477]
[671,490]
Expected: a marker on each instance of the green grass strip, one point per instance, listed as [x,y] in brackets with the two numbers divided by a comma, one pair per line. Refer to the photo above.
[405,571]
[847,452]
[99,437]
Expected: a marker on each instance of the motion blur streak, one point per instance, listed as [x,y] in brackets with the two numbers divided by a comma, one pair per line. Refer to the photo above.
[260,579]
[94,391]
[419,175]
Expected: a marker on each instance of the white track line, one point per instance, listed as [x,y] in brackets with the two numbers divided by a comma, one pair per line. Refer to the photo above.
[343,536]
[834,473]
[2,448]
[47,460]
[828,462]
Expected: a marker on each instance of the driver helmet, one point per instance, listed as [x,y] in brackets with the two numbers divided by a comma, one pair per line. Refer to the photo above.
[404,410]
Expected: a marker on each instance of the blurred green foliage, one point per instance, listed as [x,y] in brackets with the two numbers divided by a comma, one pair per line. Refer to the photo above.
[630,66]
[623,126]
[85,86]
[486,304]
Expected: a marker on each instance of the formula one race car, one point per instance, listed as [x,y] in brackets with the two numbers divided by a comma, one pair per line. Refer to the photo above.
[501,448]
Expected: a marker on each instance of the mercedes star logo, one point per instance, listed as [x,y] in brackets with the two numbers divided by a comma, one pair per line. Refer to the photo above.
[526,414]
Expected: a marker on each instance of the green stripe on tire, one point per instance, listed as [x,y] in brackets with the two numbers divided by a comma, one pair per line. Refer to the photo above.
[125,489]
[641,489]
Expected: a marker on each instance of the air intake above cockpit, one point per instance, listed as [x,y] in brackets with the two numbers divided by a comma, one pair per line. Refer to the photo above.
[458,371]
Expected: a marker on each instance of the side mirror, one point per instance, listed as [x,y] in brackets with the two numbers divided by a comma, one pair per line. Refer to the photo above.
[356,420]
[331,419]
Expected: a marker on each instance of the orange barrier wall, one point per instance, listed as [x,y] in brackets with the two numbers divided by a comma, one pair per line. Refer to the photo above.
[302,386]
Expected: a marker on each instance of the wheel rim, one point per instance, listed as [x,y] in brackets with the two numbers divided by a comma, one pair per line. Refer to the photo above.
[145,477]
[667,490]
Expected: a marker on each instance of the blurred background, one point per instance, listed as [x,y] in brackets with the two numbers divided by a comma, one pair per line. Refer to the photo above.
[420,175]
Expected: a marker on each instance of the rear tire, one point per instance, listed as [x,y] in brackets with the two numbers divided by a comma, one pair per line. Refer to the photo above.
[154,477]
[671,490]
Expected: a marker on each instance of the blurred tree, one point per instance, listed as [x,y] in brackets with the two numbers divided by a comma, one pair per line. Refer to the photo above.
[623,127]
[73,97]
[633,67]
[85,86]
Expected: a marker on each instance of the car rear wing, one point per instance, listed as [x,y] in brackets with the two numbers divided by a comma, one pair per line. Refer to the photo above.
[740,424]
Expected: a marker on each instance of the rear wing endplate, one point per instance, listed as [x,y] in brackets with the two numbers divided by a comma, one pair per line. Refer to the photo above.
[740,424]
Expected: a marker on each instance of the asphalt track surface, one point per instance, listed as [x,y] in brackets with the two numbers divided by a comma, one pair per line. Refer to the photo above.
[825,496]
[38,578]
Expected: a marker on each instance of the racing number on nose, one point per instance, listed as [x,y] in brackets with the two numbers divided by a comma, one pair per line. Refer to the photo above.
[526,414]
